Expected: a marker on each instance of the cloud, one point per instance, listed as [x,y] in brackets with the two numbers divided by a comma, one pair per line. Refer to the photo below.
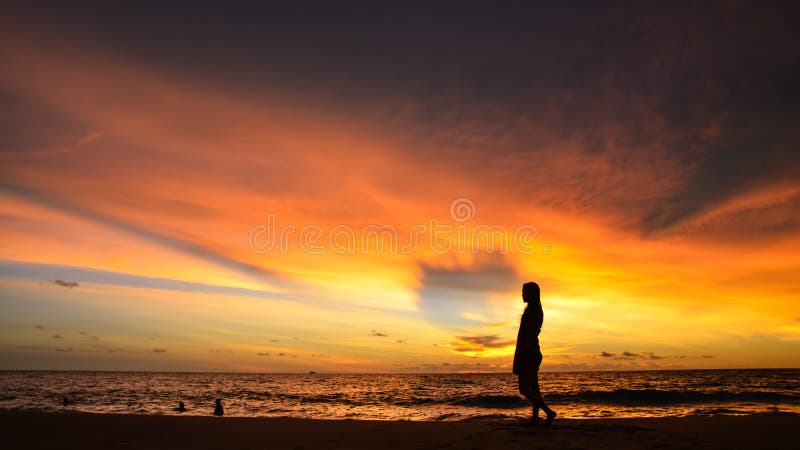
[181,244]
[487,274]
[604,105]
[769,214]
[66,350]
[39,327]
[631,355]
[487,341]
[159,350]
[588,125]
[447,367]
[477,345]
[66,284]
[92,337]
[56,336]
[377,333]
[445,292]
[262,354]
[34,271]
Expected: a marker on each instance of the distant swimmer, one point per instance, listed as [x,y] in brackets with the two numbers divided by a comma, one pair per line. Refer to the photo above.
[218,408]
[181,407]
[66,402]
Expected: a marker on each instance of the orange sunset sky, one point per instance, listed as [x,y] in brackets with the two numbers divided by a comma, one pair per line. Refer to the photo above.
[654,151]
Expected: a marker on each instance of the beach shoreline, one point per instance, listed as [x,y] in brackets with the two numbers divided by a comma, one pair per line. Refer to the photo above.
[24,429]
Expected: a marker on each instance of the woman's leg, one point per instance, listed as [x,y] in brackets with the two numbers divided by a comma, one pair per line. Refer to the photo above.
[526,383]
[529,387]
[537,393]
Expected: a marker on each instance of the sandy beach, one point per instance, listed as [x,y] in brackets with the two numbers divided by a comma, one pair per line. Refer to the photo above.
[87,431]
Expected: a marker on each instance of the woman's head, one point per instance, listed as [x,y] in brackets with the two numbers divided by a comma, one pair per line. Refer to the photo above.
[530,292]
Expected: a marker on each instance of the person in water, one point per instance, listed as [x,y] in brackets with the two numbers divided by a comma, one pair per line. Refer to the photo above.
[181,407]
[218,408]
[528,355]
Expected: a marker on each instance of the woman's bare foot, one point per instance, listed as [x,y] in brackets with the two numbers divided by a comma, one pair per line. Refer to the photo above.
[550,416]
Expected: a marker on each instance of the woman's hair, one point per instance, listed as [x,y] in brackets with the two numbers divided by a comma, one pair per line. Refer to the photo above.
[530,292]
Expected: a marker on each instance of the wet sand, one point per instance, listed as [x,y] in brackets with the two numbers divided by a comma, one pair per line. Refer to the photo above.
[103,431]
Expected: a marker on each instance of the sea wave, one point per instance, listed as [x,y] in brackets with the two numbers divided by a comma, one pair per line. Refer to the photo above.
[407,397]
[491,401]
[617,397]
[656,397]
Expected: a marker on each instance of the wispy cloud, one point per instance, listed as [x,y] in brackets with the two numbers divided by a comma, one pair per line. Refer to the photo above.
[33,271]
[66,284]
[626,355]
[448,367]
[184,245]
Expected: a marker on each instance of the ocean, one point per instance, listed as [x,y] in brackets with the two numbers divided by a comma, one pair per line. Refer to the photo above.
[406,396]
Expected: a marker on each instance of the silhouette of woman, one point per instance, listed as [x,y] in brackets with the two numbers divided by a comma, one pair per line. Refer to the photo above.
[528,355]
